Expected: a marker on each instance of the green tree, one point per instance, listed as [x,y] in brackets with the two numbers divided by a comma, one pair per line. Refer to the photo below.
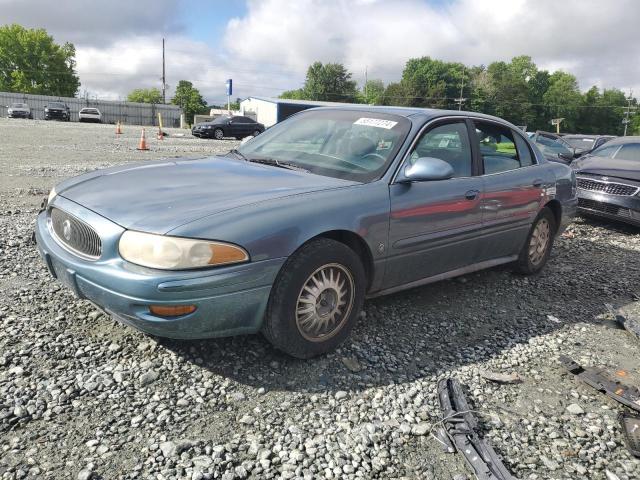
[434,83]
[373,92]
[189,99]
[297,94]
[31,62]
[145,95]
[396,94]
[563,99]
[329,82]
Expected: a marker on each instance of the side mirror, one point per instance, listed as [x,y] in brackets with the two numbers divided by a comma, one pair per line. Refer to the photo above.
[426,169]
[567,156]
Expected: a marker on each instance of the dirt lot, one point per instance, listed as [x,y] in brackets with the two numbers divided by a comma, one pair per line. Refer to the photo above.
[82,396]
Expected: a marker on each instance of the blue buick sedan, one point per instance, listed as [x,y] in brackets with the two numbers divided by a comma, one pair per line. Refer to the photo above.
[288,234]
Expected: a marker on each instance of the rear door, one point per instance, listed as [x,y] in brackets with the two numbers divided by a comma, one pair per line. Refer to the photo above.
[513,186]
[434,225]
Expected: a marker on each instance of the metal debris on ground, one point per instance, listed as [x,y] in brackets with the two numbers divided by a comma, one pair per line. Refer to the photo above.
[501,377]
[628,395]
[629,323]
[442,437]
[462,428]
[631,432]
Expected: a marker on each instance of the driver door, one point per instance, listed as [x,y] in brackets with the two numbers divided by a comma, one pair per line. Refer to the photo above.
[434,225]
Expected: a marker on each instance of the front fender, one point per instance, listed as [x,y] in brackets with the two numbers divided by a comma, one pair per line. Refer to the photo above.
[277,228]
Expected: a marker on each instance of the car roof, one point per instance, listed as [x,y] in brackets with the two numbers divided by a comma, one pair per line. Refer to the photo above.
[623,140]
[414,111]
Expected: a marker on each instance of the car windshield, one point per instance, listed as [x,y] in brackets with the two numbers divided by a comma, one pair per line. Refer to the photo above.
[346,144]
[89,110]
[56,105]
[18,105]
[581,143]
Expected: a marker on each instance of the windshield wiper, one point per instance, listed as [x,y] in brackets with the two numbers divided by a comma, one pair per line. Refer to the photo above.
[277,163]
[237,153]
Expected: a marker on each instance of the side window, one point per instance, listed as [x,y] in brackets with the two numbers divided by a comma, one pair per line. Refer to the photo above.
[524,152]
[449,142]
[630,151]
[497,148]
[606,151]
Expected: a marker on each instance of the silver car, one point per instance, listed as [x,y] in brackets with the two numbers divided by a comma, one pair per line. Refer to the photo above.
[288,234]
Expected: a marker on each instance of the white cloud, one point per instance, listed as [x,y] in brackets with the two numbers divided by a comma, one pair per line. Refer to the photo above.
[268,49]
[593,40]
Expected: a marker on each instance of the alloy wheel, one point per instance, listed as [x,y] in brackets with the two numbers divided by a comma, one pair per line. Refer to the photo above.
[539,242]
[325,302]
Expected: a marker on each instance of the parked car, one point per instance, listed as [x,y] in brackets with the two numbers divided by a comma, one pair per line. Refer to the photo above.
[228,126]
[554,147]
[19,110]
[290,232]
[57,111]
[609,181]
[89,114]
[584,144]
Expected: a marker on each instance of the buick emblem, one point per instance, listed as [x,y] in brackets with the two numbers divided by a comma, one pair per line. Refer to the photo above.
[66,230]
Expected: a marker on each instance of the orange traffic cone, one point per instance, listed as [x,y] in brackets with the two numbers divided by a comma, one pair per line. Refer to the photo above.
[143,142]
[160,134]
[118,129]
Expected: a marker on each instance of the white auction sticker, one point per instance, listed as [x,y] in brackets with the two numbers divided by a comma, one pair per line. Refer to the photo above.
[376,122]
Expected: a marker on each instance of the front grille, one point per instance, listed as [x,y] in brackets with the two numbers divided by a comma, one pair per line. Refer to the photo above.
[607,187]
[603,207]
[75,234]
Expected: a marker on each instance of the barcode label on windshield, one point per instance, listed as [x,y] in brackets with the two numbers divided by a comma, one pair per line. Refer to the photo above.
[376,122]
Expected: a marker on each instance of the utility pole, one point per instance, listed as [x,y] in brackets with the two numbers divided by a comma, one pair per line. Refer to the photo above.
[627,114]
[164,79]
[460,100]
[365,84]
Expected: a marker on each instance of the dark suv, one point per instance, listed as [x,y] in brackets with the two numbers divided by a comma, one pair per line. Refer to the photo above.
[228,126]
[57,111]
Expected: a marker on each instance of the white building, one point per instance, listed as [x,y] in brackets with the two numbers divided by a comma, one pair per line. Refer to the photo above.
[270,111]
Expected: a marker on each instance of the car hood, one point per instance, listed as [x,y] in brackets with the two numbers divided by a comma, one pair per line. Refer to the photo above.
[608,167]
[161,196]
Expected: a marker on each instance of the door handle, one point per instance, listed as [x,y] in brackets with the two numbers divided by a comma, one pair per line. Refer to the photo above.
[538,183]
[471,194]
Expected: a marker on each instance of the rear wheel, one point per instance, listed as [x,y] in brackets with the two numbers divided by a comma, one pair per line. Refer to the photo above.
[316,299]
[537,248]
[256,133]
[218,134]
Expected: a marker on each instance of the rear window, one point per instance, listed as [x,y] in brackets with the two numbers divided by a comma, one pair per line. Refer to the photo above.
[57,105]
[19,105]
[580,143]
[89,110]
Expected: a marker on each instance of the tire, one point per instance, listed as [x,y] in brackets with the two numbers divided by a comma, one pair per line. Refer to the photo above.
[333,310]
[533,259]
[218,134]
[256,133]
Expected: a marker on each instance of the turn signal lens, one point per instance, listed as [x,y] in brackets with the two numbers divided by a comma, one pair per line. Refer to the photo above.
[172,310]
[176,253]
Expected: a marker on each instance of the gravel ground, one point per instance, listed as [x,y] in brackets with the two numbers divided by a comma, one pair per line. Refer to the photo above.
[82,396]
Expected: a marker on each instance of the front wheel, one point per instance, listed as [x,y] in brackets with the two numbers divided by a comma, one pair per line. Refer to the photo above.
[537,248]
[218,134]
[256,133]
[315,299]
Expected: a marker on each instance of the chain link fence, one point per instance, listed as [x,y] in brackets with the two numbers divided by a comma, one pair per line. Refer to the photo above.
[112,111]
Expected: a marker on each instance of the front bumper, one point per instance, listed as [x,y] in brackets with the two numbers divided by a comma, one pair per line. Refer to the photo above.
[19,115]
[56,115]
[229,300]
[614,207]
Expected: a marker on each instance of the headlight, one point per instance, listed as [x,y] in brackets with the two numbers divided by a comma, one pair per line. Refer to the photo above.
[175,253]
[52,195]
[10,111]
[46,109]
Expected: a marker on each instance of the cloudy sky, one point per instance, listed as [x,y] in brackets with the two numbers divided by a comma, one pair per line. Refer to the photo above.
[266,45]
